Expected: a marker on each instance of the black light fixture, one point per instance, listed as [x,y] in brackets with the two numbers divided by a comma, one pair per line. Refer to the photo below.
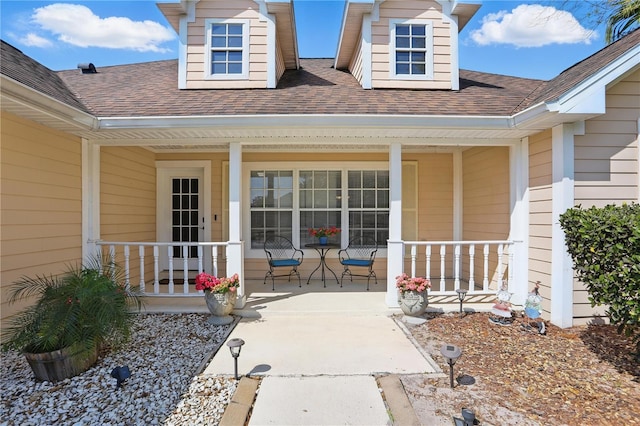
[451,353]
[235,345]
[121,374]
[462,293]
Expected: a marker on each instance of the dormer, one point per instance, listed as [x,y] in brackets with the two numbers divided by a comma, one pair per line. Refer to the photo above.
[400,44]
[233,44]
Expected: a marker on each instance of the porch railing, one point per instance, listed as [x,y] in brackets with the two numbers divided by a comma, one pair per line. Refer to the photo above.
[480,267]
[137,258]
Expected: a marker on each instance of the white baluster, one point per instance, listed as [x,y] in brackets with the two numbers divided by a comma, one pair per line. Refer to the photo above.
[200,256]
[141,256]
[185,269]
[443,253]
[170,254]
[456,267]
[485,272]
[156,270]
[428,255]
[472,253]
[500,266]
[214,260]
[511,254]
[414,253]
[127,270]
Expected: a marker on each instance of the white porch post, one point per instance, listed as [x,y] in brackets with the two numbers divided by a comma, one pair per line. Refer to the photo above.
[519,178]
[457,195]
[235,255]
[90,198]
[563,198]
[395,246]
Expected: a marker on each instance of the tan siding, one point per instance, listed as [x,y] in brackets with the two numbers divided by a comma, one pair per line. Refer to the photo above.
[41,198]
[540,209]
[486,193]
[435,195]
[238,9]
[606,157]
[355,67]
[399,9]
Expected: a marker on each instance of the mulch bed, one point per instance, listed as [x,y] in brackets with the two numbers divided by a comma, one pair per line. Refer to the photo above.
[575,376]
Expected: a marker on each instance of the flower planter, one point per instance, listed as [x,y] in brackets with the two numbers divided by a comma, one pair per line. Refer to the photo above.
[220,305]
[413,303]
[61,364]
[323,240]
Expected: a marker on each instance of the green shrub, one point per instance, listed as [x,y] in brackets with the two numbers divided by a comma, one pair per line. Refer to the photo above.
[604,244]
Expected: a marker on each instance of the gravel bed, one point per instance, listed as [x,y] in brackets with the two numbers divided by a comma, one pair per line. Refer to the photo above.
[164,354]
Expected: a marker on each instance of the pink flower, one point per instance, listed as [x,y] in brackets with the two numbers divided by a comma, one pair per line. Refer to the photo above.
[406,283]
[214,284]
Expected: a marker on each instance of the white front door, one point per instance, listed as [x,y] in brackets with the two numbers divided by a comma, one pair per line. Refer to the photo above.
[181,214]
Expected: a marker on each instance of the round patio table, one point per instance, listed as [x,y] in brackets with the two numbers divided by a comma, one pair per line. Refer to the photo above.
[322,250]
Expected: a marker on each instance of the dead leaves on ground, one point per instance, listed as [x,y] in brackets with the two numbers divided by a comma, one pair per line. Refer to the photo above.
[581,375]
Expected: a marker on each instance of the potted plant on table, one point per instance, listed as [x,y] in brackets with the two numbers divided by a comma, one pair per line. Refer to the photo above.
[75,316]
[220,295]
[323,233]
[412,294]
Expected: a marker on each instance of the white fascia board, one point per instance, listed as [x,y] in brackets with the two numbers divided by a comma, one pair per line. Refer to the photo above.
[589,96]
[24,95]
[345,15]
[320,120]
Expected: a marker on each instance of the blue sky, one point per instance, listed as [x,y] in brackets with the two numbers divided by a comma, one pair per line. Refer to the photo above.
[533,39]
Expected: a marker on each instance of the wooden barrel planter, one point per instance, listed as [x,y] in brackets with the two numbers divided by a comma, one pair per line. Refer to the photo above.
[61,364]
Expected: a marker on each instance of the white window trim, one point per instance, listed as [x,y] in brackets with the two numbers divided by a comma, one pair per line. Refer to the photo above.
[296,167]
[246,26]
[428,55]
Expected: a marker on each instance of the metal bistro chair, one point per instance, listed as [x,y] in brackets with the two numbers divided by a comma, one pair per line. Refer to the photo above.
[361,253]
[282,254]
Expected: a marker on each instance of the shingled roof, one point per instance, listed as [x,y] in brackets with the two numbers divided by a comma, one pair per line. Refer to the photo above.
[151,90]
[21,68]
[579,72]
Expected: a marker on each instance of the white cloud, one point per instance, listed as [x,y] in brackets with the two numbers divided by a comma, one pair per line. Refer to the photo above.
[35,40]
[79,26]
[532,25]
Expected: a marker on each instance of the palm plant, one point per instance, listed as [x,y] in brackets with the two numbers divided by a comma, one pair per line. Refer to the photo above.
[86,307]
[624,18]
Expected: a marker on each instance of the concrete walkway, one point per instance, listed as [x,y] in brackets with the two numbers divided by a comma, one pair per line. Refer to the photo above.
[319,352]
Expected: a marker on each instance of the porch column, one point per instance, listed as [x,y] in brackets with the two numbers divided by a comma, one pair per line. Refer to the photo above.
[90,198]
[519,228]
[235,255]
[395,245]
[562,199]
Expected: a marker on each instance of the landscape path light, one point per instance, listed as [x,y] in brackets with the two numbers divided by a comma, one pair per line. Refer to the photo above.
[451,353]
[462,293]
[235,345]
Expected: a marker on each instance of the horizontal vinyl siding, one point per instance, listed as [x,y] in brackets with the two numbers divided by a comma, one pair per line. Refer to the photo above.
[540,212]
[414,9]
[196,44]
[486,193]
[606,157]
[41,198]
[435,195]
[127,194]
[355,67]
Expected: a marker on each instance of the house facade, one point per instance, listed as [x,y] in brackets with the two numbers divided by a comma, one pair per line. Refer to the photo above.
[174,167]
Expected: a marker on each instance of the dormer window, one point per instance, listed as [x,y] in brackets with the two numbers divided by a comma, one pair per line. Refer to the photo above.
[227,45]
[411,49]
